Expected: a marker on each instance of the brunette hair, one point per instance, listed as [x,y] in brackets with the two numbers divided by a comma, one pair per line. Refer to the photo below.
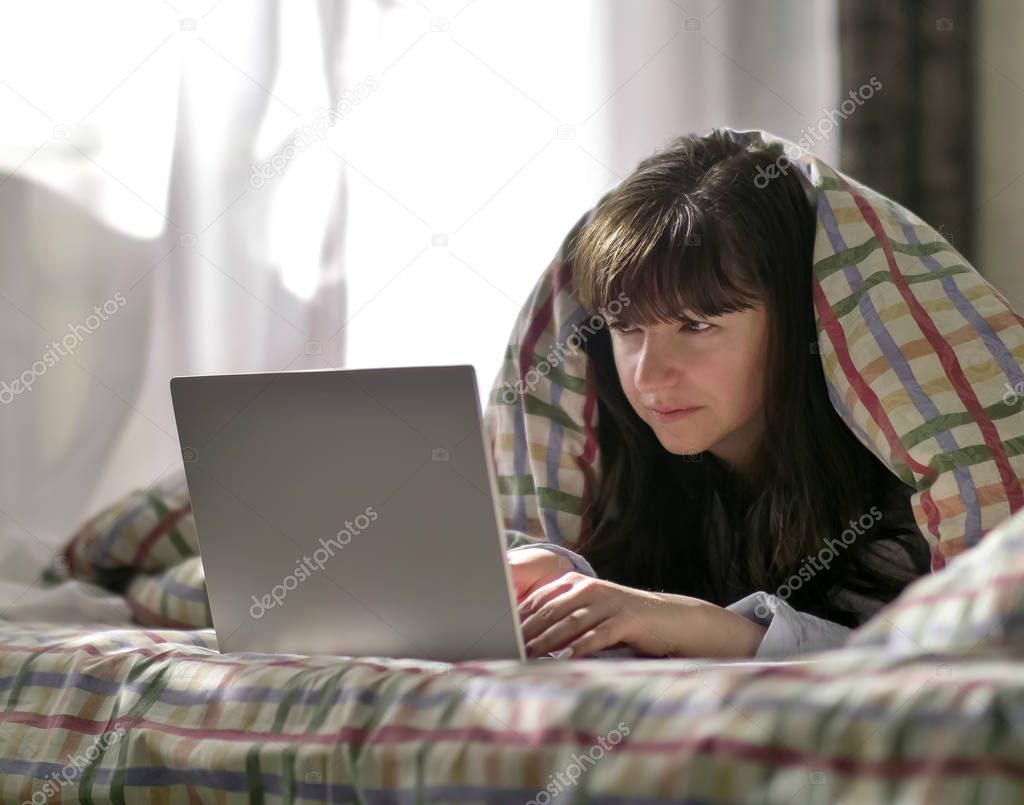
[700,227]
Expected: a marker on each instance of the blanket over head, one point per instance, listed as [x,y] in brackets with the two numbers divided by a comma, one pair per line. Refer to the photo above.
[922,360]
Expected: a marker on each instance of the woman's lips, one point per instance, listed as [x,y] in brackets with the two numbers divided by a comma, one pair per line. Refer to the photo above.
[672,415]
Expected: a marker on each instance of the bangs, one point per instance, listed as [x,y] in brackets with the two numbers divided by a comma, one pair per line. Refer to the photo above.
[672,265]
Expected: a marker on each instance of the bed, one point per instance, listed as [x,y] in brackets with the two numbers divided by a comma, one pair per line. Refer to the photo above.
[925,702]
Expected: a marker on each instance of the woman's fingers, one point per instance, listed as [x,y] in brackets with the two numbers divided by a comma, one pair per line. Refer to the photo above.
[562,632]
[585,614]
[606,634]
[561,611]
[546,592]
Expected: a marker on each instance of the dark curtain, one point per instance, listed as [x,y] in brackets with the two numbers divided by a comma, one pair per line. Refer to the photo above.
[913,139]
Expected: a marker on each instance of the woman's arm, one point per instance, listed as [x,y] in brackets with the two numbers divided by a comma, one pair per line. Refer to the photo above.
[788,631]
[791,632]
[515,540]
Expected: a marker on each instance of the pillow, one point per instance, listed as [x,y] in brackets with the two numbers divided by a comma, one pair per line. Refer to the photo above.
[144,545]
[973,606]
[146,530]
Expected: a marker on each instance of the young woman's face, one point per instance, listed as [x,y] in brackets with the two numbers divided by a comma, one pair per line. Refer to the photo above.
[714,367]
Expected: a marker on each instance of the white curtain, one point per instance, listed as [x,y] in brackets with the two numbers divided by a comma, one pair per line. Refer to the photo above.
[132,182]
[250,185]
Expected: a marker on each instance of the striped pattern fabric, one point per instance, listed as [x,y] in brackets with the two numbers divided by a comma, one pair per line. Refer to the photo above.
[923,710]
[975,604]
[144,545]
[147,530]
[175,598]
[922,359]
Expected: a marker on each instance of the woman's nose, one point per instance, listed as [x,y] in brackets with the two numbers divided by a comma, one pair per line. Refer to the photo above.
[655,368]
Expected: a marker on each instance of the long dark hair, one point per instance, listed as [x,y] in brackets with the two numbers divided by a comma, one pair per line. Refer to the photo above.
[711,226]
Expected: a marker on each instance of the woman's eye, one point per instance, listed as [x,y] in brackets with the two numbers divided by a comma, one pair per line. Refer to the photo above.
[688,326]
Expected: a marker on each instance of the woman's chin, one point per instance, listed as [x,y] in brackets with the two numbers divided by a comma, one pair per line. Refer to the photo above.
[682,447]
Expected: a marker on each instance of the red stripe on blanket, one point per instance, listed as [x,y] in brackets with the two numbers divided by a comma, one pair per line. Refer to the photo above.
[540,318]
[948,360]
[159,639]
[165,525]
[704,745]
[563,278]
[870,401]
[218,658]
[147,617]
[587,459]
[381,734]
[543,315]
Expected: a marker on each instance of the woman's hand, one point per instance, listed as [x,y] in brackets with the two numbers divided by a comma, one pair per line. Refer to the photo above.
[534,567]
[587,615]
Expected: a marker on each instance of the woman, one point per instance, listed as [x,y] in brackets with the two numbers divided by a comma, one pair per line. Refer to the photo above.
[727,472]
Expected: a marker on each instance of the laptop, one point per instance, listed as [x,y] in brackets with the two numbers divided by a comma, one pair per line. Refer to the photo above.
[348,512]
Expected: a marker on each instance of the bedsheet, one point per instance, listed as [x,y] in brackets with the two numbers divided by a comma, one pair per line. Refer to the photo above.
[133,715]
[924,703]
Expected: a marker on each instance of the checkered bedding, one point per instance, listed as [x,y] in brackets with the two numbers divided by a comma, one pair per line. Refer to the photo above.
[923,704]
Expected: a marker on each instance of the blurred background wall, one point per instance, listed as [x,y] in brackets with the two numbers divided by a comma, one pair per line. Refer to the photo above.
[999,193]
[249,185]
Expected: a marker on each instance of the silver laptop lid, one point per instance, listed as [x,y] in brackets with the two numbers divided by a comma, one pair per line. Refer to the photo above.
[348,512]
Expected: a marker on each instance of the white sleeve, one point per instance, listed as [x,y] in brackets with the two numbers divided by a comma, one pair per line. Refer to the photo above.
[518,540]
[789,632]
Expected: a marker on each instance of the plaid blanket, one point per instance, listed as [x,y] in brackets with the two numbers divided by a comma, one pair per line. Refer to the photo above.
[920,707]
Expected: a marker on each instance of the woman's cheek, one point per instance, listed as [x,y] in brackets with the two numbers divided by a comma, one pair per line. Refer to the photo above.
[625,366]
